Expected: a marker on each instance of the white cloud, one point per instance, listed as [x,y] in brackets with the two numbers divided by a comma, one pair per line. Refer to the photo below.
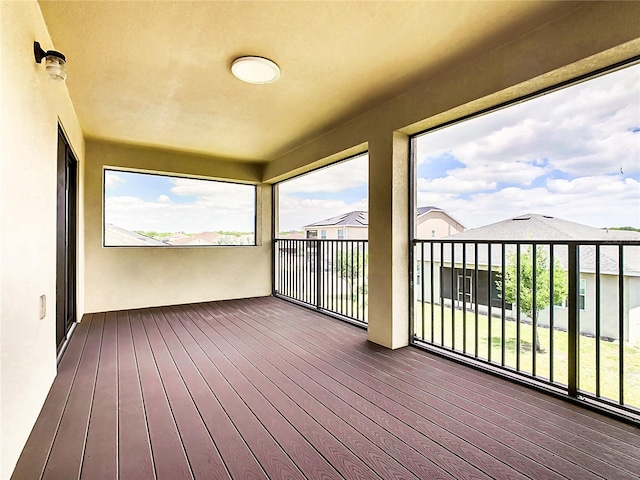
[451,184]
[334,178]
[323,193]
[583,130]
[219,196]
[216,206]
[112,179]
[578,138]
[603,201]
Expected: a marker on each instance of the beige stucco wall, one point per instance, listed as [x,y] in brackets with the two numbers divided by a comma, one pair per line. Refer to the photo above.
[594,35]
[32,105]
[438,223]
[350,233]
[121,277]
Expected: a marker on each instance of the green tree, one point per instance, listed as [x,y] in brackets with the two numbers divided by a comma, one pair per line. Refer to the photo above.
[352,266]
[543,294]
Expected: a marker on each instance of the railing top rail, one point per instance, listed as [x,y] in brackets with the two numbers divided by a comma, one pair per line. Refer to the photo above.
[354,240]
[526,242]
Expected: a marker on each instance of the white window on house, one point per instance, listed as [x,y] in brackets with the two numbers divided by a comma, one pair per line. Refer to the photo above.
[340,233]
[323,234]
[464,289]
[152,210]
[433,234]
[312,234]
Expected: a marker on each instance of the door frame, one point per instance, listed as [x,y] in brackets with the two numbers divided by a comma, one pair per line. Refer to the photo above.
[66,239]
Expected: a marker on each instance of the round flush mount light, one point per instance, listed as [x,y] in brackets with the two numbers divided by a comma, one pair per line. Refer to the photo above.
[257,70]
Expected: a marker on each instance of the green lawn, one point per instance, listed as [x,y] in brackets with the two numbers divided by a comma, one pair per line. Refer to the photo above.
[609,351]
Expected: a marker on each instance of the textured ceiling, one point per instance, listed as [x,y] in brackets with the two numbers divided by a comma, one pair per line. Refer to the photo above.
[157,73]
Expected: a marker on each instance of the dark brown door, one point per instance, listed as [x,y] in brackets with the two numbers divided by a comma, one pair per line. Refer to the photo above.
[66,240]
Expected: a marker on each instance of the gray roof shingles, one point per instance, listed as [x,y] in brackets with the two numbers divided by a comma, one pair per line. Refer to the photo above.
[543,227]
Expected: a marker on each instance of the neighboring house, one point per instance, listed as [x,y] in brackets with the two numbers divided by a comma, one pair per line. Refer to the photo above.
[120,237]
[349,226]
[292,236]
[433,222]
[448,284]
[204,238]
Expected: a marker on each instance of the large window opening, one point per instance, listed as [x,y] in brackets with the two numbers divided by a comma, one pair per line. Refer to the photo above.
[151,210]
[321,256]
[536,206]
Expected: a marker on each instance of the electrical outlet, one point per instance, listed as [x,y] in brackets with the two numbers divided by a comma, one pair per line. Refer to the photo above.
[43,306]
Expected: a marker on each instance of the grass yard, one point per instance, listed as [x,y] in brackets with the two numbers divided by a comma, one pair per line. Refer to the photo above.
[502,347]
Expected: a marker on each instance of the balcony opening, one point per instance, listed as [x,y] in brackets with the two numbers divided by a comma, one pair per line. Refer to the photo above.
[321,248]
[529,262]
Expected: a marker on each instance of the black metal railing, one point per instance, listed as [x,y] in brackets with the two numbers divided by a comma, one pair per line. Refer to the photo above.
[561,313]
[330,275]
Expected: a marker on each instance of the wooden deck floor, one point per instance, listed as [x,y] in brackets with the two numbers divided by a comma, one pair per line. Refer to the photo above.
[260,388]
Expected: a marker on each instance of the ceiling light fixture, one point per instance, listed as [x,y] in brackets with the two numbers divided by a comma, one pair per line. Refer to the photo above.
[257,70]
[54,62]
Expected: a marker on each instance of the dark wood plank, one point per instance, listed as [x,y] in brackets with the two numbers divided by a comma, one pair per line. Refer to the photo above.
[260,388]
[307,459]
[273,459]
[203,456]
[36,451]
[169,457]
[348,464]
[370,453]
[471,445]
[135,458]
[293,368]
[474,411]
[68,447]
[101,451]
[600,458]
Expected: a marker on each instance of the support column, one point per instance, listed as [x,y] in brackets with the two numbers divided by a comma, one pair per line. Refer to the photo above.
[389,240]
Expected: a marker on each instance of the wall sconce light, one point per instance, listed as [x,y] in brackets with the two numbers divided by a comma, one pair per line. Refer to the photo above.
[54,62]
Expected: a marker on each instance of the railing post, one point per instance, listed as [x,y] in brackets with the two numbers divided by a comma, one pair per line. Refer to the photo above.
[573,324]
[318,275]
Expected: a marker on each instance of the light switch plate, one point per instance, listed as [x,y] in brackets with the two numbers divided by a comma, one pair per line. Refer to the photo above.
[43,306]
